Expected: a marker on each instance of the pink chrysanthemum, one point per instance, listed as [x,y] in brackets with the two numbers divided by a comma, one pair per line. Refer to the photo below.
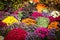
[36,14]
[41,32]
[16,34]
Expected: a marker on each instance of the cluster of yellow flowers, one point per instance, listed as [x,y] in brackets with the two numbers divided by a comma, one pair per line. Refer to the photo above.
[10,20]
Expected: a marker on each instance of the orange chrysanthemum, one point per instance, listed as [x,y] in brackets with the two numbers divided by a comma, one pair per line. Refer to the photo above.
[29,21]
[40,7]
[53,25]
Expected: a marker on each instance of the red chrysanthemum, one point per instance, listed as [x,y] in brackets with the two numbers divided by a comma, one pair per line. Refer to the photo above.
[16,34]
[51,18]
[58,18]
[2,24]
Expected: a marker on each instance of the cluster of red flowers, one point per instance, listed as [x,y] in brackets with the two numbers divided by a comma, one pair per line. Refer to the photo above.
[16,34]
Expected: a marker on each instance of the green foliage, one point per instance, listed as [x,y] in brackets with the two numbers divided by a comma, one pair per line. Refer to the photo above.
[14,4]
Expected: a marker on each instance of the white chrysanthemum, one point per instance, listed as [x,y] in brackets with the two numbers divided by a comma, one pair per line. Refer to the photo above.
[55,14]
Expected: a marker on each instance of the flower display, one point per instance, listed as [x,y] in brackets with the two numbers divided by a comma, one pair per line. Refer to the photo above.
[16,34]
[29,21]
[41,32]
[42,21]
[53,25]
[40,7]
[10,20]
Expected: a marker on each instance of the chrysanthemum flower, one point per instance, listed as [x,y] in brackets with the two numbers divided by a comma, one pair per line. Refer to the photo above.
[53,24]
[10,20]
[36,14]
[29,21]
[40,7]
[42,32]
[42,21]
[51,18]
[16,34]
[55,14]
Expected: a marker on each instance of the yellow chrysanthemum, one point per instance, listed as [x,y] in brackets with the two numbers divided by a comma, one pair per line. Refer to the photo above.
[10,20]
